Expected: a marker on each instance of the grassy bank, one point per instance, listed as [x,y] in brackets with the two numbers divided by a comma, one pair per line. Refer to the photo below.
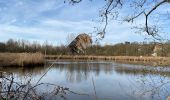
[155,61]
[33,59]
[21,59]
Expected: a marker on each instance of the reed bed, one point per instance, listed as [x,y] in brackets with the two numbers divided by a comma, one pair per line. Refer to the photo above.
[21,59]
[155,61]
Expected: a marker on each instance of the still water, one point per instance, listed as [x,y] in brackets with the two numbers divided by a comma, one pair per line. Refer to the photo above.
[99,80]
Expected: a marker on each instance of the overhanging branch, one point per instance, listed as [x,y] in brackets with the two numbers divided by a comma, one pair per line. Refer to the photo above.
[147,27]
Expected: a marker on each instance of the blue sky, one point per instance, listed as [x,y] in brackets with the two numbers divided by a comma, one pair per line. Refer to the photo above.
[52,21]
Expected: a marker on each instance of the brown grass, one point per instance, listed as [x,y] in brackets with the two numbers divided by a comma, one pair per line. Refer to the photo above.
[155,61]
[21,59]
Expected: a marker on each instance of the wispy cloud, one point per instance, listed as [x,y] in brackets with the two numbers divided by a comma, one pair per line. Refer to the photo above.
[52,30]
[53,20]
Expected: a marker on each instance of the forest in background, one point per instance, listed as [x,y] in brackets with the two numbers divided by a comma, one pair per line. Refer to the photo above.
[120,49]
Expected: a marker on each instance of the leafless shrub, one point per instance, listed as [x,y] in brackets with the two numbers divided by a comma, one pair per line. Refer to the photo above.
[12,90]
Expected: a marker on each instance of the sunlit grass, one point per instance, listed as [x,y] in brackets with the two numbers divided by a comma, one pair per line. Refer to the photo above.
[21,59]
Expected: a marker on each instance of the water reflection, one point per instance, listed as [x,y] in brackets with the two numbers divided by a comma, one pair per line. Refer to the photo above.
[142,70]
[79,71]
[112,80]
[24,71]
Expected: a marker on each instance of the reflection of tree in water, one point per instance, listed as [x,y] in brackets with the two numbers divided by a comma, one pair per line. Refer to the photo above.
[153,81]
[79,71]
[24,71]
[158,87]
[142,70]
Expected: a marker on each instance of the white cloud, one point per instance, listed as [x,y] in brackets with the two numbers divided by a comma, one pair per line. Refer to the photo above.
[53,20]
[56,31]
[51,30]
[121,32]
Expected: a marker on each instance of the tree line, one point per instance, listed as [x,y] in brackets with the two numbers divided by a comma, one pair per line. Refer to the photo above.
[130,49]
[20,46]
[120,49]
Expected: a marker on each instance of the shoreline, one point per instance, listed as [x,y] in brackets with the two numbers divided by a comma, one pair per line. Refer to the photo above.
[154,61]
[35,59]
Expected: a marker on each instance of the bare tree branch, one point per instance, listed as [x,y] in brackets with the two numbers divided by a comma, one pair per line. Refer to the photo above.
[131,19]
[142,5]
[111,4]
[152,31]
[74,1]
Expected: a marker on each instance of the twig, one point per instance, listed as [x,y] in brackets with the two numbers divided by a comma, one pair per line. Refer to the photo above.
[78,93]
[94,88]
[38,81]
[31,89]
[147,15]
[9,88]
[45,73]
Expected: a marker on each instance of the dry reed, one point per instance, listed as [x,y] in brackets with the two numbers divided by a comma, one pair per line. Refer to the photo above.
[155,61]
[21,59]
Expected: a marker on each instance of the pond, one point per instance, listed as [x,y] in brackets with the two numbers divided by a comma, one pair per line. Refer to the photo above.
[97,80]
